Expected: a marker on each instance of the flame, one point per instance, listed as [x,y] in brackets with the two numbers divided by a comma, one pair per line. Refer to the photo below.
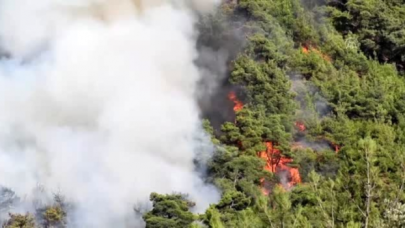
[295,176]
[337,147]
[301,126]
[278,164]
[307,50]
[238,105]
[275,162]
[272,156]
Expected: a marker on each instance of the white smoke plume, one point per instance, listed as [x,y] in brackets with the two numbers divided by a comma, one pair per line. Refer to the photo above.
[98,101]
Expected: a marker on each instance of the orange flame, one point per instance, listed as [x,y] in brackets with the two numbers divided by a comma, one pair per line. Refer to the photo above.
[301,126]
[295,177]
[276,163]
[238,105]
[307,50]
[337,147]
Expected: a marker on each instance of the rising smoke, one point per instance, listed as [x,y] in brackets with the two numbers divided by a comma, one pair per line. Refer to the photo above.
[98,102]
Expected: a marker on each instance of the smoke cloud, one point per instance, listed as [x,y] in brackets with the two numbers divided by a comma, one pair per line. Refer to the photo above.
[98,102]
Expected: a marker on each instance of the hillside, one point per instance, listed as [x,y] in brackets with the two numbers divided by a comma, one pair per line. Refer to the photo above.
[307,123]
[322,114]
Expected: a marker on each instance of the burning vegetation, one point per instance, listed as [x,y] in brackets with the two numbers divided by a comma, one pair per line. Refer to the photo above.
[238,105]
[307,49]
[356,76]
[276,162]
[343,97]
[301,126]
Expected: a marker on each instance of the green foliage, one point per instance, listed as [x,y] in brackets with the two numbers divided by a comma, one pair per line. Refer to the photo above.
[169,211]
[378,25]
[54,215]
[20,221]
[348,57]
[351,45]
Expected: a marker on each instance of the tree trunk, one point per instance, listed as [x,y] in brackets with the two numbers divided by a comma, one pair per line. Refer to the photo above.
[368,190]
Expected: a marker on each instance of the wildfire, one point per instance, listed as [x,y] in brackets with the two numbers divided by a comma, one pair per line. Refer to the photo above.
[275,162]
[278,164]
[272,156]
[300,125]
[337,147]
[238,105]
[307,50]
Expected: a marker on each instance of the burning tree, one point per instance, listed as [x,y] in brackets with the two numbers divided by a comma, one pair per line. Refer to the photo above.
[275,161]
[308,49]
[238,105]
[364,97]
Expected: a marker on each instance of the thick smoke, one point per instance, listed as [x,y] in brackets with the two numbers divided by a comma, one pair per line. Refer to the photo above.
[98,102]
[219,44]
[308,98]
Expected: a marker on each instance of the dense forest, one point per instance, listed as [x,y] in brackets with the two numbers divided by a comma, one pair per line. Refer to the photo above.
[317,137]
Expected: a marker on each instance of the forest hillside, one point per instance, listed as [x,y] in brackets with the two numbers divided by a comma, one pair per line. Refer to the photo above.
[308,124]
